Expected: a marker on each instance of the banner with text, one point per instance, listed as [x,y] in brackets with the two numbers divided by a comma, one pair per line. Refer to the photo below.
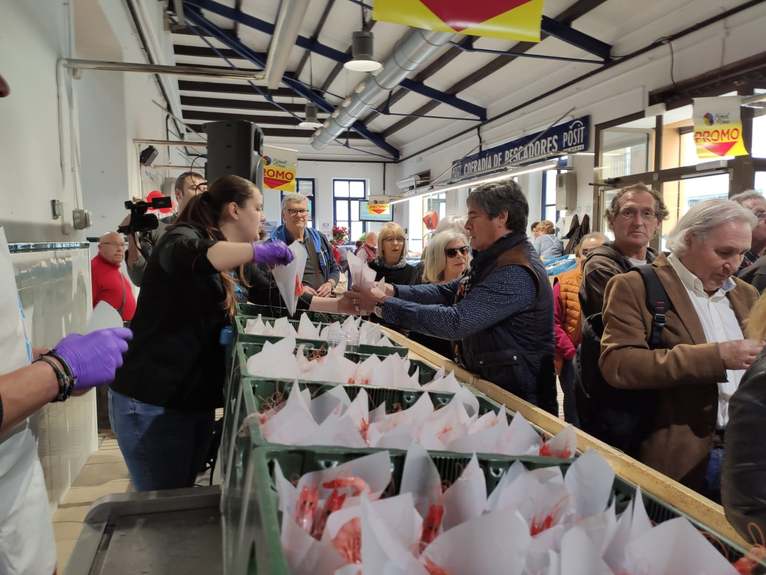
[718,127]
[280,168]
[563,139]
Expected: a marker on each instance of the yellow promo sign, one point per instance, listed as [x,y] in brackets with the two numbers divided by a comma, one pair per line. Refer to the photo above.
[718,127]
[506,19]
[280,169]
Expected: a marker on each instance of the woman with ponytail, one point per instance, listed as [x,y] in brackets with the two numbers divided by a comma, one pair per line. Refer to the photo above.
[163,399]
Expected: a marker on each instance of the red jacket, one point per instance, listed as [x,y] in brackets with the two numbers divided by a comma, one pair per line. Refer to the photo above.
[111,285]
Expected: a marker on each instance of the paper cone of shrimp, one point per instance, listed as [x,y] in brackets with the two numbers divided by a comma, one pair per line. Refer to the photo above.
[289,278]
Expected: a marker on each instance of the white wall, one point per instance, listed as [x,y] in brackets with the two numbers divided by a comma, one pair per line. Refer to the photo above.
[36,168]
[617,92]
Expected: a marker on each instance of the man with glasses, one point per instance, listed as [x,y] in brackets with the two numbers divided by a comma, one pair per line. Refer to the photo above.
[753,268]
[634,216]
[322,272]
[109,283]
[187,185]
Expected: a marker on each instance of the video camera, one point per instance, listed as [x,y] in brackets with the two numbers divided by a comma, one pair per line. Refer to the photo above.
[140,221]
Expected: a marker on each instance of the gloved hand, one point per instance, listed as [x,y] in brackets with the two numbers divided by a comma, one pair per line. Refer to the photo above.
[94,358]
[272,253]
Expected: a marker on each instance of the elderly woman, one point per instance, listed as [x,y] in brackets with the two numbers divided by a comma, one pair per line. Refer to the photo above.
[446,258]
[391,264]
[546,244]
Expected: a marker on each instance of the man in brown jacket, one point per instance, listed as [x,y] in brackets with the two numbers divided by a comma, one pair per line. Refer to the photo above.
[705,353]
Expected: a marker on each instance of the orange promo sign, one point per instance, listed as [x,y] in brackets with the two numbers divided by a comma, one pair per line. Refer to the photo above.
[718,127]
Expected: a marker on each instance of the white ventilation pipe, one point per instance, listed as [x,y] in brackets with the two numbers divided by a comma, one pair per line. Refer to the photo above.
[410,52]
[286,32]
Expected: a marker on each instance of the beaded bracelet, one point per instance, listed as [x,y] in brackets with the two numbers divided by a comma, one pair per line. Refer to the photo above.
[64,378]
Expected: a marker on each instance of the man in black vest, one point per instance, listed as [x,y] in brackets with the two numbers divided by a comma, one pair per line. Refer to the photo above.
[500,313]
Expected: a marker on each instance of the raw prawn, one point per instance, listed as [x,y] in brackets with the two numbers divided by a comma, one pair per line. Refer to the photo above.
[431,525]
[537,527]
[356,484]
[308,501]
[348,540]
[333,503]
[364,427]
[547,451]
[434,569]
[746,565]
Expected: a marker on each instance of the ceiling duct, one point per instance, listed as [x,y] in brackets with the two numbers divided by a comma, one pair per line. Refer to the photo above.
[411,51]
[288,26]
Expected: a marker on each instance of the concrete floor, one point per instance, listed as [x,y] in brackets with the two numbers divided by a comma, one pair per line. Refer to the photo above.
[104,473]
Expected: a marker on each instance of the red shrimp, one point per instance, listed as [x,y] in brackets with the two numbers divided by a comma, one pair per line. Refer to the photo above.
[746,565]
[537,527]
[547,451]
[364,427]
[333,503]
[348,541]
[356,484]
[434,569]
[431,525]
[308,501]
[298,286]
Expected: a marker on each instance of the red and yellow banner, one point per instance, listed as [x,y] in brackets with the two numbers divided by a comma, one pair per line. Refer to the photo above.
[506,19]
[718,127]
[280,167]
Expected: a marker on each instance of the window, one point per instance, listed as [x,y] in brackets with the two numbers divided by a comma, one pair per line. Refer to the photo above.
[549,211]
[305,187]
[345,196]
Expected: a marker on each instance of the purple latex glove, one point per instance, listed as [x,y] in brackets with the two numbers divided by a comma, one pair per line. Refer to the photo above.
[94,358]
[272,253]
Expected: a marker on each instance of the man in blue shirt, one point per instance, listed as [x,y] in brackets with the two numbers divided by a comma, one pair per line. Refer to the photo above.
[322,272]
[500,313]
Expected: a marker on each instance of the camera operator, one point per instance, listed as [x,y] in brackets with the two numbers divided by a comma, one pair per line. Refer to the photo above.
[140,245]
[163,399]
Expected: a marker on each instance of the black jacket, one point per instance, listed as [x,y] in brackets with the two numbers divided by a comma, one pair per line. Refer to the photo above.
[405,275]
[744,465]
[176,359]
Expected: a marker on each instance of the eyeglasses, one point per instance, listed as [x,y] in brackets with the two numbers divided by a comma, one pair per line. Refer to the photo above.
[453,252]
[760,214]
[631,213]
[114,244]
[395,239]
[297,211]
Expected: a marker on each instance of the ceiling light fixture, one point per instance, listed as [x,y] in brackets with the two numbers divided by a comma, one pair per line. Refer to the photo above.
[310,121]
[362,60]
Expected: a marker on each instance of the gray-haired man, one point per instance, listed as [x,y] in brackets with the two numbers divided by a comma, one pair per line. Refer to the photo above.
[753,268]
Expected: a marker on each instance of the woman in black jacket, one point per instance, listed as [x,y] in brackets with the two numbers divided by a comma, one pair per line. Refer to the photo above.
[743,488]
[163,398]
[391,264]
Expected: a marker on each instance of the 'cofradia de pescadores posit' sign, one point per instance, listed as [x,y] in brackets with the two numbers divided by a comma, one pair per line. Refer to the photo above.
[562,139]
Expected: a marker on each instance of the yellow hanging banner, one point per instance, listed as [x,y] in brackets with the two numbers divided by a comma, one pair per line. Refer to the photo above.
[506,19]
[280,167]
[718,127]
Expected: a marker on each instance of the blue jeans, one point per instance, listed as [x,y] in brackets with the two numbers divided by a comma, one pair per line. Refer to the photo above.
[713,475]
[163,448]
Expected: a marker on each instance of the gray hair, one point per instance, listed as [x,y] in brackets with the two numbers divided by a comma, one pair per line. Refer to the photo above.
[496,198]
[742,197]
[456,223]
[293,198]
[434,258]
[703,218]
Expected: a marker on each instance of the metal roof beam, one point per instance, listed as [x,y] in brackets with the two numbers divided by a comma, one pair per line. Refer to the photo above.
[314,36]
[195,16]
[224,88]
[575,38]
[227,103]
[336,55]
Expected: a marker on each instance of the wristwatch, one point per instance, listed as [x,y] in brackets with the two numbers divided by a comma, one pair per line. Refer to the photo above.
[378,310]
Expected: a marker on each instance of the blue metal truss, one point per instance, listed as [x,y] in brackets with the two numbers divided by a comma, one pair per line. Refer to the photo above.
[336,55]
[195,16]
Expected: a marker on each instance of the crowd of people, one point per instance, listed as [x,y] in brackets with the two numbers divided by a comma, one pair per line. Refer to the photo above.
[653,350]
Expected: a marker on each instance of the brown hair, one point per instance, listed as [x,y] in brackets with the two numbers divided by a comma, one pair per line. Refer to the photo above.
[546,227]
[659,204]
[205,211]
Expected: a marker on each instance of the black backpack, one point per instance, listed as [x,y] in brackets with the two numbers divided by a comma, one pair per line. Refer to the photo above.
[619,416]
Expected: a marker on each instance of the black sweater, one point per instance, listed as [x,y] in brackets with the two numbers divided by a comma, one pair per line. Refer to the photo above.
[176,359]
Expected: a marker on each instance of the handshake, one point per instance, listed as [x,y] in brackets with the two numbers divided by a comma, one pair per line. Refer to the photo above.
[361,300]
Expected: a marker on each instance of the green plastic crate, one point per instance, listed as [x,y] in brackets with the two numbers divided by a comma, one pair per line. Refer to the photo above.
[260,550]
[253,310]
[240,323]
[245,350]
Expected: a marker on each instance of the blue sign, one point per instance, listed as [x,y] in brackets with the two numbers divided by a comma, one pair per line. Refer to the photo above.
[559,140]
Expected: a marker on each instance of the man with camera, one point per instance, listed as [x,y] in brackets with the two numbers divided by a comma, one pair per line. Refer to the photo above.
[141,240]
